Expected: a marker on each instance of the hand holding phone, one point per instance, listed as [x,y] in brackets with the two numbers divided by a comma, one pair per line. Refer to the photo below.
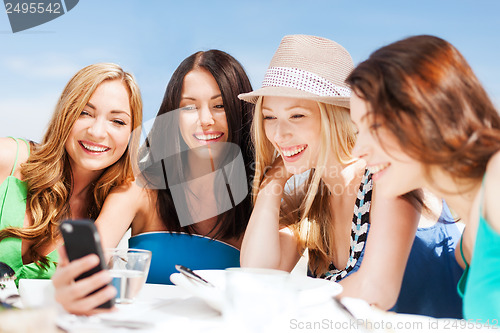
[81,238]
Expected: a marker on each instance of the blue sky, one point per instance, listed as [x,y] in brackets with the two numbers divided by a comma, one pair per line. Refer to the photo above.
[151,37]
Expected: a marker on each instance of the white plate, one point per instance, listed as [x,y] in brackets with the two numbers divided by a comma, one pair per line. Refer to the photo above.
[212,296]
[310,290]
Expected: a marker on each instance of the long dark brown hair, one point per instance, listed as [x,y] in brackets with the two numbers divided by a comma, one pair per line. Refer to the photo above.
[231,80]
[424,92]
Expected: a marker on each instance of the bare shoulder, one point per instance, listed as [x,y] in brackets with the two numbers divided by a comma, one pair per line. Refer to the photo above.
[128,192]
[493,166]
[125,200]
[492,191]
[492,177]
[8,151]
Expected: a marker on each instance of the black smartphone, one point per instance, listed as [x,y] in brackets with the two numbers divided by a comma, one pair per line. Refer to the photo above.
[80,239]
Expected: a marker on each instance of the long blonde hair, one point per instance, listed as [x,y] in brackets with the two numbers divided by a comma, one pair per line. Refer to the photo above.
[308,214]
[47,171]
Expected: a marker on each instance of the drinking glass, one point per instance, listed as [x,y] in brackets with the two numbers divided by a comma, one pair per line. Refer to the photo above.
[129,269]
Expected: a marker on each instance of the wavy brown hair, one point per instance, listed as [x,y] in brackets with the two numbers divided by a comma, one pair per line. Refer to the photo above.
[47,171]
[423,83]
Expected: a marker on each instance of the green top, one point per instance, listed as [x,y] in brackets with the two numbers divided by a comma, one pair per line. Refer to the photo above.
[13,194]
[481,285]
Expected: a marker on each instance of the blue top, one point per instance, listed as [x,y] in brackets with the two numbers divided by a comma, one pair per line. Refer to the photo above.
[193,251]
[482,289]
[432,272]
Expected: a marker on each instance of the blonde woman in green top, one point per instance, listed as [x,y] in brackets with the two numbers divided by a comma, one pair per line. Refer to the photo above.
[424,120]
[83,155]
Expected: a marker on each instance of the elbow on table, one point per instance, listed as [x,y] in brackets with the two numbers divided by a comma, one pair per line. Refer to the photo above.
[388,300]
[386,296]
[383,295]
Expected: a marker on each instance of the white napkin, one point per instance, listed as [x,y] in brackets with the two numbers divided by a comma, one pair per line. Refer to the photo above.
[150,315]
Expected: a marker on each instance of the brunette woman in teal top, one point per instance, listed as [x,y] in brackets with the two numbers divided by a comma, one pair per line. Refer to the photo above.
[83,155]
[425,121]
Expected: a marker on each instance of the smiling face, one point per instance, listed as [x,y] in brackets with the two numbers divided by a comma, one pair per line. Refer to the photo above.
[394,172]
[100,135]
[293,126]
[202,120]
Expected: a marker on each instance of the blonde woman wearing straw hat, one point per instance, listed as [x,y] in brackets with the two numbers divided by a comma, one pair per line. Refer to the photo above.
[302,123]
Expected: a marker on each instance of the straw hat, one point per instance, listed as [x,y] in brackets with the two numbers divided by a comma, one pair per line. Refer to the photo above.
[307,67]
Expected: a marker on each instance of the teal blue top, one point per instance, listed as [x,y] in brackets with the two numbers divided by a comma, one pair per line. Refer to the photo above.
[177,248]
[482,286]
[13,194]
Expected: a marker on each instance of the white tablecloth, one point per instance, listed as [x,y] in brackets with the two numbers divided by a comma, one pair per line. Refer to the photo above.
[162,308]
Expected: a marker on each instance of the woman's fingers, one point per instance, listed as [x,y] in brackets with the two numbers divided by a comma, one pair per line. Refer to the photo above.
[82,288]
[88,304]
[76,296]
[68,272]
[279,170]
[276,173]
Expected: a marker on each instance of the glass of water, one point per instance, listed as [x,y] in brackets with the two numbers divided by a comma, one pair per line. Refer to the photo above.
[129,269]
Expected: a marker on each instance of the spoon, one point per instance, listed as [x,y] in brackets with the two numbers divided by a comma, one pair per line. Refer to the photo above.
[188,272]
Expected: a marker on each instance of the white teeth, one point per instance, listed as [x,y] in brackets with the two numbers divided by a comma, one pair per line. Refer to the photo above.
[293,152]
[94,148]
[377,168]
[207,137]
